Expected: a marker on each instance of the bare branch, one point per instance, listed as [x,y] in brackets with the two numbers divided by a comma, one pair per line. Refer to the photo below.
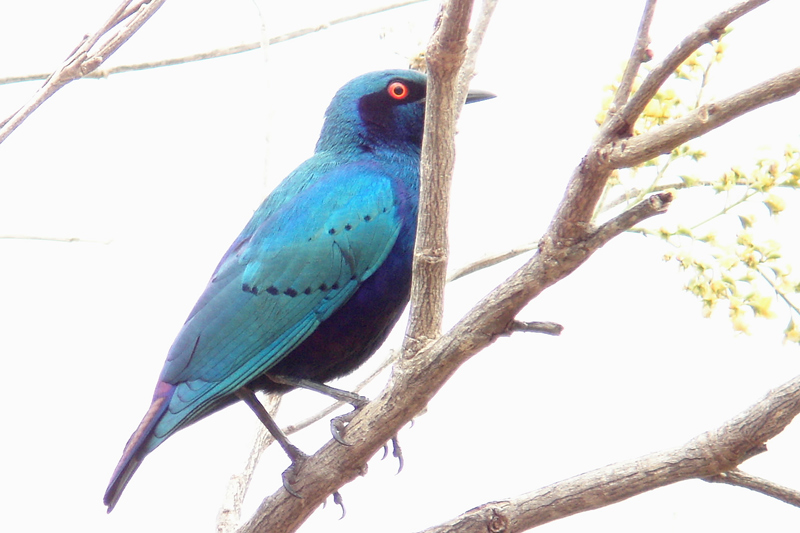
[707,117]
[639,55]
[52,239]
[219,52]
[653,205]
[84,59]
[548,328]
[709,31]
[713,453]
[490,260]
[741,479]
[471,60]
[445,56]
[573,217]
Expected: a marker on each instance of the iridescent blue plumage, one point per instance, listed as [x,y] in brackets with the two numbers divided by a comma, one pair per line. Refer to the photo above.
[317,278]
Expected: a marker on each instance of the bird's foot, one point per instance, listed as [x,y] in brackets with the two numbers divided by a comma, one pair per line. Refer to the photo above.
[397,452]
[338,425]
[289,476]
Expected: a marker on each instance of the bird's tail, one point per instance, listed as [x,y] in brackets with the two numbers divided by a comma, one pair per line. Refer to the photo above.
[139,445]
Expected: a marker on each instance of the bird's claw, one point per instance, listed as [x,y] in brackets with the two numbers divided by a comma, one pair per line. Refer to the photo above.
[338,425]
[337,499]
[289,475]
[397,452]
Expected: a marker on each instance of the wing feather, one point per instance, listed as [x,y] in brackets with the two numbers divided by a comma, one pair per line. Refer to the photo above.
[277,284]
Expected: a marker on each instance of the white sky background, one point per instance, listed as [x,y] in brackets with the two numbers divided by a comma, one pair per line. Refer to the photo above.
[167,165]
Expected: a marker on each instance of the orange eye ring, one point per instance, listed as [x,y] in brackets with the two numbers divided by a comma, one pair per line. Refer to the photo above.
[397,90]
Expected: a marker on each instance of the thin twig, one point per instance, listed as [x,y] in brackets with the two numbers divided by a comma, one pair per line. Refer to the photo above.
[574,214]
[476,35]
[738,478]
[219,52]
[53,239]
[638,56]
[707,32]
[490,260]
[653,205]
[86,58]
[548,328]
[663,139]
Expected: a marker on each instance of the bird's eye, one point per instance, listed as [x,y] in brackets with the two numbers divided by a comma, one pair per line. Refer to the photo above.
[398,90]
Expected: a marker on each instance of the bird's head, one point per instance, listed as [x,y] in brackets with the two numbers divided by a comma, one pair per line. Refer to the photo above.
[385,108]
[379,109]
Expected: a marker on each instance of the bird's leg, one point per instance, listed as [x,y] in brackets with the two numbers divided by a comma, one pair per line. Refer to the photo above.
[338,423]
[352,398]
[295,455]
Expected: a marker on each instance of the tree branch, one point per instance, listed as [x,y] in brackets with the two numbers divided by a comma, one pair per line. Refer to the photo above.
[445,56]
[548,328]
[653,205]
[714,453]
[573,218]
[490,260]
[470,61]
[52,239]
[84,62]
[219,52]
[738,478]
[712,29]
[638,56]
[663,139]
[85,58]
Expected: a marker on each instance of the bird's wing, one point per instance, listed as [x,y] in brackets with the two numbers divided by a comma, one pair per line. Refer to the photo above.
[300,265]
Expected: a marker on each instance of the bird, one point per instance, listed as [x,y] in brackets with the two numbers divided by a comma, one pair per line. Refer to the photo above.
[315,281]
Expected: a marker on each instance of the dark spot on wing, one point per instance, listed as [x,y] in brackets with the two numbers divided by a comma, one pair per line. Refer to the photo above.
[307,291]
[335,286]
[273,290]
[367,218]
[290,292]
[332,231]
[348,227]
[249,288]
[323,287]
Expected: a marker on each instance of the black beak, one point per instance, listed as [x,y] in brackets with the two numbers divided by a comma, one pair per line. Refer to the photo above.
[478,96]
